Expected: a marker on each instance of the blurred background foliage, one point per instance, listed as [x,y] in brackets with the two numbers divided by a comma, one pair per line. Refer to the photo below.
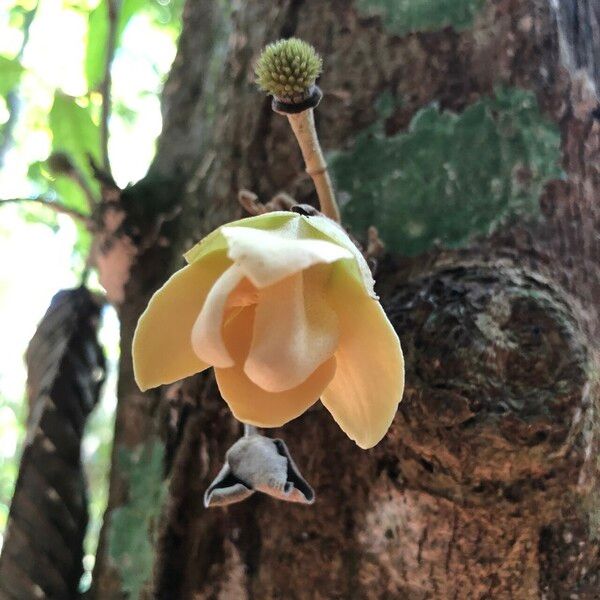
[52,76]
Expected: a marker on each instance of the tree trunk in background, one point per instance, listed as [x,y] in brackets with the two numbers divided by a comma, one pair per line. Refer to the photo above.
[451,121]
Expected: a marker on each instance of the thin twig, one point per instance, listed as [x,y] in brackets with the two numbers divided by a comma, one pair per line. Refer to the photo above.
[303,125]
[250,203]
[55,206]
[114,7]
[249,430]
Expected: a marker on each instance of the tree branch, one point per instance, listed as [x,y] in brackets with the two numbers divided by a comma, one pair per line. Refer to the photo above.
[114,7]
[55,206]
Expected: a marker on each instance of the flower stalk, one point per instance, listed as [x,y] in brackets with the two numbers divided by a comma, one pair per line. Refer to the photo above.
[303,126]
[288,70]
[249,430]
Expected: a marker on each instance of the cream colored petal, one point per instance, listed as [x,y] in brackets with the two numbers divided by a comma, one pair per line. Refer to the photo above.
[369,381]
[162,348]
[295,331]
[327,229]
[245,294]
[292,226]
[250,403]
[207,340]
[215,241]
[267,257]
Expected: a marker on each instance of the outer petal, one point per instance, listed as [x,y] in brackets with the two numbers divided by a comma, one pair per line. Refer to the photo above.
[267,257]
[325,228]
[207,340]
[250,403]
[364,394]
[215,241]
[292,225]
[162,348]
[295,331]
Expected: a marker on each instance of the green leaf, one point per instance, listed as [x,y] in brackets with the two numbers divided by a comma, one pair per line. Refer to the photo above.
[69,192]
[10,73]
[75,133]
[73,130]
[98,22]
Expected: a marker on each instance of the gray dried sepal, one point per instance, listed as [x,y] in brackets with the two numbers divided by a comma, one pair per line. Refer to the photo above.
[257,463]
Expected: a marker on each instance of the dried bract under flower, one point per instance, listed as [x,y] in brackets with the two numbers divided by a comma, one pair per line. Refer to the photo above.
[257,463]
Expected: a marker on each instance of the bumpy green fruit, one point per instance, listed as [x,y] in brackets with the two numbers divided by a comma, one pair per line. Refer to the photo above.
[288,68]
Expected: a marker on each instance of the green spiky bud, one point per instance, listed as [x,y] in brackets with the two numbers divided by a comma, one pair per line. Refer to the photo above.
[288,69]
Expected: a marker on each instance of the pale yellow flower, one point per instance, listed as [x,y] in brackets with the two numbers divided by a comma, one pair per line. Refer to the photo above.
[282,306]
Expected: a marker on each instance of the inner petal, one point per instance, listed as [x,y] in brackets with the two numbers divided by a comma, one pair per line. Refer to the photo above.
[295,331]
[207,339]
[251,403]
[245,294]
[267,257]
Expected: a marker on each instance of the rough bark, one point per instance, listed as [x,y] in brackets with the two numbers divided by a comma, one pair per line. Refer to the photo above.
[487,484]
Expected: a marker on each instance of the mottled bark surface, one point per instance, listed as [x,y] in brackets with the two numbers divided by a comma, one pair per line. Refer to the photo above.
[487,484]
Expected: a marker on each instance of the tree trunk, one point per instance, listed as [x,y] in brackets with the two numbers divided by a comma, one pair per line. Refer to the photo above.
[487,484]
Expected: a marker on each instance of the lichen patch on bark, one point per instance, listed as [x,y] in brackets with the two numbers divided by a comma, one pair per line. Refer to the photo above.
[404,16]
[449,176]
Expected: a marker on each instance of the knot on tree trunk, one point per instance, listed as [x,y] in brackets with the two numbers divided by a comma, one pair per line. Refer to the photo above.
[480,490]
[497,388]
